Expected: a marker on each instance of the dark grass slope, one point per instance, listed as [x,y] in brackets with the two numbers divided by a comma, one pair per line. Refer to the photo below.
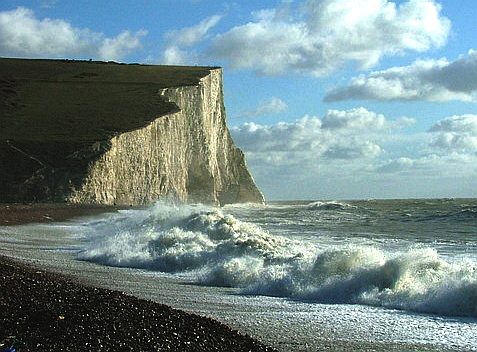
[82,101]
[40,311]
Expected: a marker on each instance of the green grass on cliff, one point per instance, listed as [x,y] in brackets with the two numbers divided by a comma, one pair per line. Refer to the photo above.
[80,101]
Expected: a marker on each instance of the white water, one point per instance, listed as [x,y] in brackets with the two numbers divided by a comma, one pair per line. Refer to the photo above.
[336,291]
[216,249]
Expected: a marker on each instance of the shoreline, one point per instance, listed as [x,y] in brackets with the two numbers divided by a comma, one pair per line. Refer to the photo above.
[312,327]
[24,213]
[44,311]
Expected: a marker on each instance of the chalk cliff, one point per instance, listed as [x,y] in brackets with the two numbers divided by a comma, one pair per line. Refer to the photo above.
[179,149]
[188,155]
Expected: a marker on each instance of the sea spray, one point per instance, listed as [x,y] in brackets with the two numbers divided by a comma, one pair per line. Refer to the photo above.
[218,249]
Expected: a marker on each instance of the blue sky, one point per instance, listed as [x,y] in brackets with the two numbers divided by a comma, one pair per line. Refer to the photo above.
[329,99]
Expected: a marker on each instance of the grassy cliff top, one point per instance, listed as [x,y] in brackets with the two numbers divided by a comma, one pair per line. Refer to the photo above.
[83,101]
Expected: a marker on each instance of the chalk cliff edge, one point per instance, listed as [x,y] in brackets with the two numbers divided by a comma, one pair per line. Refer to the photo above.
[176,144]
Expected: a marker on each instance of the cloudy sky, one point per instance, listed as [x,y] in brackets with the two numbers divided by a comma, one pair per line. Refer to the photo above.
[329,99]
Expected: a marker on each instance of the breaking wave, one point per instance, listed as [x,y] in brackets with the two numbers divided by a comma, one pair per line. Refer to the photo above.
[332,205]
[219,250]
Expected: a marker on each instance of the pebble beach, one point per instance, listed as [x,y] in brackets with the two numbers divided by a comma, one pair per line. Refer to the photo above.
[42,311]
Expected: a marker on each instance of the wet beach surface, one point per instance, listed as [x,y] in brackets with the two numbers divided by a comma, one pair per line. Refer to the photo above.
[23,213]
[284,324]
[42,311]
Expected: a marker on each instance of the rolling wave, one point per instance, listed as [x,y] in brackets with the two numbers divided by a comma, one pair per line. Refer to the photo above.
[217,249]
[464,213]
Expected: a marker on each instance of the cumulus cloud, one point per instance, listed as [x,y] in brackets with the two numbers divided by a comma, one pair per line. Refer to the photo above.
[24,35]
[341,153]
[432,80]
[456,134]
[178,40]
[313,156]
[451,143]
[326,34]
[120,46]
[349,134]
[463,124]
[356,119]
[269,106]
[456,142]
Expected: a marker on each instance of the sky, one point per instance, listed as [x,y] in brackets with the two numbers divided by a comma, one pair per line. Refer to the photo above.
[328,99]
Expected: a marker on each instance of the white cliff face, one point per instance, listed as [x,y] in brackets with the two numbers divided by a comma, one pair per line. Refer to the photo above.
[188,155]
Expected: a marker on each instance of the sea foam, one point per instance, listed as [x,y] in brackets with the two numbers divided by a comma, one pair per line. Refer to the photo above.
[331,205]
[217,249]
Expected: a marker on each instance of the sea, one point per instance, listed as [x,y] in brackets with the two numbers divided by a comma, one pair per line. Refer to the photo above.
[364,275]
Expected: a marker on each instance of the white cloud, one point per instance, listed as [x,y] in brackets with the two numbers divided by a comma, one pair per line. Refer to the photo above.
[463,123]
[431,166]
[356,119]
[432,80]
[178,40]
[174,56]
[120,46]
[456,134]
[189,36]
[302,156]
[451,144]
[366,149]
[24,35]
[269,106]
[21,34]
[456,142]
[329,33]
[347,134]
[397,165]
[344,152]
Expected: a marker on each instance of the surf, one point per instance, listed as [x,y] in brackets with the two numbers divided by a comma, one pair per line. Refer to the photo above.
[215,248]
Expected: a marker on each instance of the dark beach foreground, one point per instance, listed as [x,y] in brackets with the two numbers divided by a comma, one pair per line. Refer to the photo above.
[42,311]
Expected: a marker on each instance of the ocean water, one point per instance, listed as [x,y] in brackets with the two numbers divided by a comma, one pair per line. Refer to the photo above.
[325,275]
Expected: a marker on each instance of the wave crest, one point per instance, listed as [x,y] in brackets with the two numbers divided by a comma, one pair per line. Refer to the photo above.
[332,205]
[218,249]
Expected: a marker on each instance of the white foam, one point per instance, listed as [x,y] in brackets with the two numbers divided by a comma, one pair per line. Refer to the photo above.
[331,205]
[218,249]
